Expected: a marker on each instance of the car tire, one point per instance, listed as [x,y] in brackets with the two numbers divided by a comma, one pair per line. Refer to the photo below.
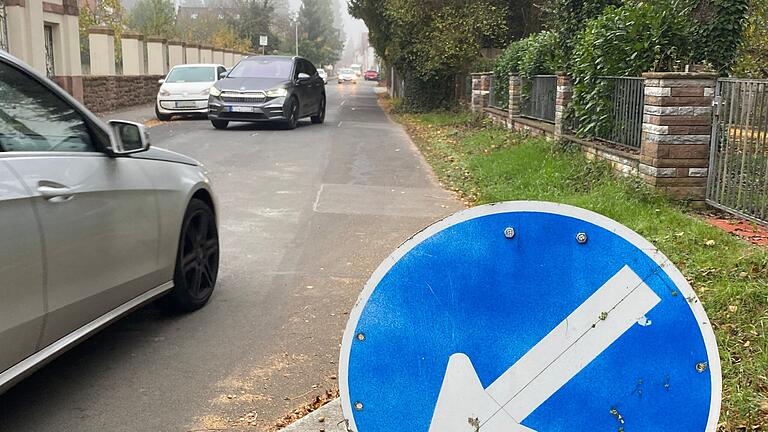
[197,259]
[320,117]
[220,124]
[160,116]
[293,114]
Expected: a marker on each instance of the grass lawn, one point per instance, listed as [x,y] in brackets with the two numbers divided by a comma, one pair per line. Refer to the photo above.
[486,164]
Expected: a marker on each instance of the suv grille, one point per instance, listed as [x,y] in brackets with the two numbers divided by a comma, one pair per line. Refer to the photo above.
[244,97]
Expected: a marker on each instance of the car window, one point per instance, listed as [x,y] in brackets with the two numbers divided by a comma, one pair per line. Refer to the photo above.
[34,118]
[299,69]
[263,68]
[189,74]
[309,68]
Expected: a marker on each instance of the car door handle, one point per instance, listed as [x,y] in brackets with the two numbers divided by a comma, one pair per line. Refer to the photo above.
[55,192]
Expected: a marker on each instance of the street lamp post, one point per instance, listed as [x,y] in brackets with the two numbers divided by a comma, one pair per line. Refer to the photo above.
[297,36]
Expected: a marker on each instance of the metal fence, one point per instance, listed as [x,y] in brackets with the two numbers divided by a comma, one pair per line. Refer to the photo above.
[738,167]
[537,99]
[625,126]
[496,95]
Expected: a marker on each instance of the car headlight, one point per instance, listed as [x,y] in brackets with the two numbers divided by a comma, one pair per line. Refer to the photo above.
[206,91]
[213,91]
[278,92]
[164,92]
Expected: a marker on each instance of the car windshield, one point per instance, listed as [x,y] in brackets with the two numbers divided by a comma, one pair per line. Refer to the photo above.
[192,74]
[263,68]
[347,71]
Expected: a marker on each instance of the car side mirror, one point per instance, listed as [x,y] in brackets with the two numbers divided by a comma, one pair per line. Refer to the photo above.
[222,75]
[161,81]
[304,77]
[128,137]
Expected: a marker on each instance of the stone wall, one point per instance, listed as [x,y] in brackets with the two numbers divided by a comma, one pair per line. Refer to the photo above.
[112,92]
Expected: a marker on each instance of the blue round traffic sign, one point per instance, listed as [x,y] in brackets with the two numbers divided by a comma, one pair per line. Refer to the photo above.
[529,316]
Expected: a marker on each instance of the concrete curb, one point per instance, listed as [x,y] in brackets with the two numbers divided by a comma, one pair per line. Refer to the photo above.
[332,420]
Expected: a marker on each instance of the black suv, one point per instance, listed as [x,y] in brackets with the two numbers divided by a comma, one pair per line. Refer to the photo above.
[268,88]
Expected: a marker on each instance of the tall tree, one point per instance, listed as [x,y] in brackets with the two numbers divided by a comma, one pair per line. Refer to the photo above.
[154,18]
[108,13]
[254,19]
[429,41]
[320,41]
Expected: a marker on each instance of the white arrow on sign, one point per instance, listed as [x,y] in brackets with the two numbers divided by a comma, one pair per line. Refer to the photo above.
[465,406]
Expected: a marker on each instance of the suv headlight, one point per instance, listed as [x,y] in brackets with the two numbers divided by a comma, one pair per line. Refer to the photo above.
[213,91]
[278,92]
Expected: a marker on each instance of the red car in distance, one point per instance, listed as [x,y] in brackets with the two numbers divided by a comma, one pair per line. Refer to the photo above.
[371,75]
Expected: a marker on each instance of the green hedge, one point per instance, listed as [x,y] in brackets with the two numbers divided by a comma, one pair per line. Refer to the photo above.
[534,55]
[625,41]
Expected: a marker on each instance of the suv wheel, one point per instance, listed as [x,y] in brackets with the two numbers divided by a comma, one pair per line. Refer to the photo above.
[220,124]
[197,259]
[293,114]
[320,117]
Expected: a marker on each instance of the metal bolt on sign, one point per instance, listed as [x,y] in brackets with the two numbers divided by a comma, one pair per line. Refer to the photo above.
[581,238]
[509,232]
[701,367]
[361,336]
[359,406]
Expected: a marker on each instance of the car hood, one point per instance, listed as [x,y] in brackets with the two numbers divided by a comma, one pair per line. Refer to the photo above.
[249,84]
[189,88]
[161,154]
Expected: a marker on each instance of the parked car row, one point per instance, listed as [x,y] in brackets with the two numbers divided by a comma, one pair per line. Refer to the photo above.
[258,88]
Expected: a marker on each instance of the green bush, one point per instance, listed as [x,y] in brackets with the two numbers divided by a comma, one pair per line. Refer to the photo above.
[626,41]
[534,55]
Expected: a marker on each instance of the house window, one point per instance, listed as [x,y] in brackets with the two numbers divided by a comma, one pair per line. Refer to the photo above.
[50,66]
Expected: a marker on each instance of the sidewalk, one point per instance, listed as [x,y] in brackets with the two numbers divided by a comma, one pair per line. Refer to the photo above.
[144,114]
[329,418]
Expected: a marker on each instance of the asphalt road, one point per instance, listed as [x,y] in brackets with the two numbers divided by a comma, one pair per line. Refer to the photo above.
[306,216]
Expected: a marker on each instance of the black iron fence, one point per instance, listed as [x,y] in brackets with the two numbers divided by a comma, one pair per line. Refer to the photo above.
[537,99]
[738,167]
[625,125]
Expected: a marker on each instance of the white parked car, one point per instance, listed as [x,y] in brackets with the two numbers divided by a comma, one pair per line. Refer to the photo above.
[347,75]
[323,74]
[184,90]
[95,223]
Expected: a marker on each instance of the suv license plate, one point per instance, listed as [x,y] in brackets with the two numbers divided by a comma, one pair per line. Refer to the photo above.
[242,109]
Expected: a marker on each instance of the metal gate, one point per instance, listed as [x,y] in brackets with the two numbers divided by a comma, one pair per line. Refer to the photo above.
[3,27]
[738,166]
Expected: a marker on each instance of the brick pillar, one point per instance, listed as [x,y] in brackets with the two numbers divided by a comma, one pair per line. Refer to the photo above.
[133,53]
[677,120]
[156,56]
[562,100]
[101,45]
[481,91]
[515,86]
[176,53]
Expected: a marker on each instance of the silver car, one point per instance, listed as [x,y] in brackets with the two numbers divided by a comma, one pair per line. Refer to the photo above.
[95,223]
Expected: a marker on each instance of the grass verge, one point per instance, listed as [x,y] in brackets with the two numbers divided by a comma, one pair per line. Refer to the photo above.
[486,164]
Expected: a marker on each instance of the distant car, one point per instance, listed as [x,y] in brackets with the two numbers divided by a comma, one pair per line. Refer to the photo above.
[371,75]
[96,223]
[323,74]
[347,75]
[268,88]
[184,91]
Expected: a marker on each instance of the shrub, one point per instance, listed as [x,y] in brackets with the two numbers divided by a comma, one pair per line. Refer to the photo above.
[534,55]
[625,41]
